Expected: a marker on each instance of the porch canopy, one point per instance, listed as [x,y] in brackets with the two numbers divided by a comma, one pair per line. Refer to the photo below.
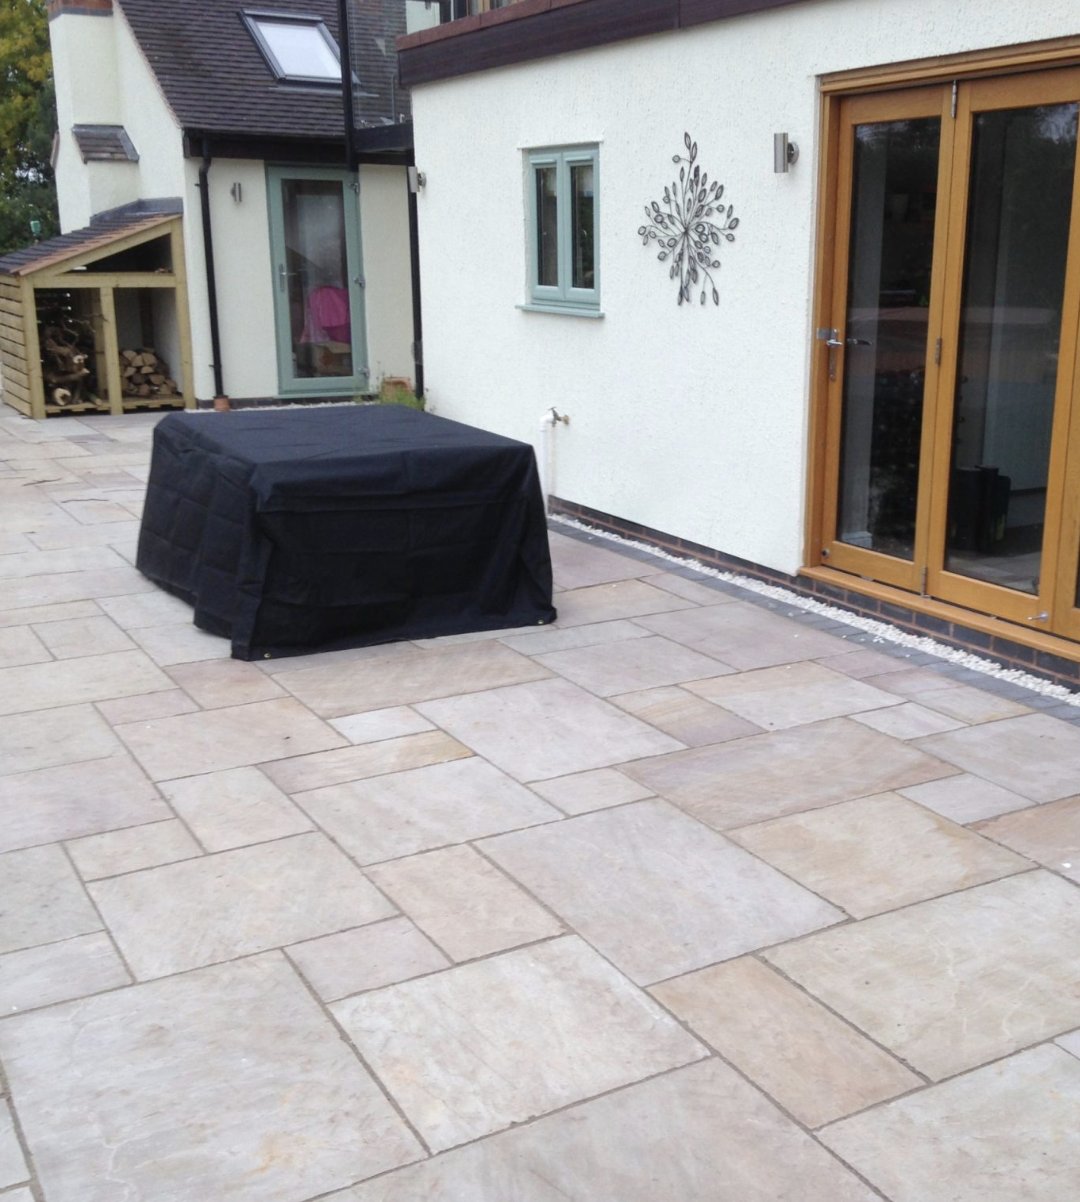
[344,526]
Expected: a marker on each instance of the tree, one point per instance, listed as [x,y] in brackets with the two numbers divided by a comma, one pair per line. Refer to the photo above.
[27,122]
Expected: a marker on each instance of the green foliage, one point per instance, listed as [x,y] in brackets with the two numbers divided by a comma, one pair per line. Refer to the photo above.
[400,394]
[27,122]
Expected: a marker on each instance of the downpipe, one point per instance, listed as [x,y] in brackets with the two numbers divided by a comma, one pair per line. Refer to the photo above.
[546,452]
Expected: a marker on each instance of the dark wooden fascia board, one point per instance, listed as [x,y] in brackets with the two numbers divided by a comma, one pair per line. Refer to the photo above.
[553,31]
[390,145]
[699,12]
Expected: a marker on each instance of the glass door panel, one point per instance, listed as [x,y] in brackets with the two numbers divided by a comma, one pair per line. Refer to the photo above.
[894,202]
[1019,202]
[317,285]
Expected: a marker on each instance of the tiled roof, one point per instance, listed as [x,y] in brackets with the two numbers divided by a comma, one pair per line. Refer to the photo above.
[217,81]
[104,144]
[103,230]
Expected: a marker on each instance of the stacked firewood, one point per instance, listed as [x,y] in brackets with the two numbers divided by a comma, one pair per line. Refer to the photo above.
[145,374]
[63,361]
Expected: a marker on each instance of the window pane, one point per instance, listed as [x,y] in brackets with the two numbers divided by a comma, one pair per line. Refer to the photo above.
[547,227]
[582,251]
[894,203]
[301,50]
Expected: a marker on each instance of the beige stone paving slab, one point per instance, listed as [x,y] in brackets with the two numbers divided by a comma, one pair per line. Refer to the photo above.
[550,728]
[407,812]
[1048,833]
[87,536]
[234,808]
[328,659]
[132,848]
[41,899]
[41,563]
[1009,1132]
[468,907]
[907,721]
[587,791]
[221,682]
[226,738]
[476,1048]
[58,972]
[654,891]
[228,1083]
[1036,756]
[971,705]
[382,953]
[234,903]
[392,723]
[75,799]
[408,677]
[12,544]
[791,695]
[368,759]
[474,636]
[609,602]
[966,798]
[13,1168]
[958,981]
[71,681]
[1070,1042]
[878,853]
[576,563]
[83,636]
[690,719]
[48,738]
[698,1134]
[745,636]
[53,449]
[19,1195]
[20,645]
[691,590]
[166,704]
[816,1066]
[180,643]
[94,511]
[36,591]
[151,608]
[639,664]
[564,638]
[864,662]
[22,513]
[34,614]
[785,772]
[912,681]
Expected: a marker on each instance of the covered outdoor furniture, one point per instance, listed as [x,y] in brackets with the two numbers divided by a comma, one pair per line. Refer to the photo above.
[340,526]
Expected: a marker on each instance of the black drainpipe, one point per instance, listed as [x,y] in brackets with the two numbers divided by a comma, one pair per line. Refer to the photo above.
[414,271]
[211,281]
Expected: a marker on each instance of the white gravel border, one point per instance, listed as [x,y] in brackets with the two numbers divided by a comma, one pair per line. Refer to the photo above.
[881,632]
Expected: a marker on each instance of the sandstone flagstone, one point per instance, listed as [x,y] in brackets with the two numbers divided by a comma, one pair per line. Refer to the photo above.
[234,808]
[641,664]
[57,972]
[225,1083]
[955,982]
[47,738]
[595,790]
[610,602]
[576,563]
[477,1048]
[1048,833]
[655,891]
[41,899]
[235,903]
[322,769]
[71,681]
[811,1062]
[133,848]
[698,1134]
[966,798]
[12,1162]
[20,645]
[1009,1132]
[690,719]
[75,637]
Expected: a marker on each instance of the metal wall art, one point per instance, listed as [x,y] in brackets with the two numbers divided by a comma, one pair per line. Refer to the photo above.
[691,222]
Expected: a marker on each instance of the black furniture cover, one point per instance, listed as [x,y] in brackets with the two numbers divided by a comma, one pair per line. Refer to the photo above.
[338,526]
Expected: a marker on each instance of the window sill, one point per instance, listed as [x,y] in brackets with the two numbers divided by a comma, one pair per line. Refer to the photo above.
[562,310]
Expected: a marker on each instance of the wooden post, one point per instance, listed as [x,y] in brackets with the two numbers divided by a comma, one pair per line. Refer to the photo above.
[183,316]
[33,349]
[112,351]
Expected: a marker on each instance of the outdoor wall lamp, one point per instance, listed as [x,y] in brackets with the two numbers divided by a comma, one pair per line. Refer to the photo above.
[417,179]
[784,154]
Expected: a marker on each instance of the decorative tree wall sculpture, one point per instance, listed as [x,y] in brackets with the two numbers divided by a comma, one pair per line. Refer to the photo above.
[689,226]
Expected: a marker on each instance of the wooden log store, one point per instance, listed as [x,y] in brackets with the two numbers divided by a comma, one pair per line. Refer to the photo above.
[96,321]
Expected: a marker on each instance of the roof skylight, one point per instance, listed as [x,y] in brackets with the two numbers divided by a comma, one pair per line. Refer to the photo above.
[297,48]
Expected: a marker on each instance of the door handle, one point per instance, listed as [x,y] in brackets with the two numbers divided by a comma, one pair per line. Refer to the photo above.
[834,342]
[858,342]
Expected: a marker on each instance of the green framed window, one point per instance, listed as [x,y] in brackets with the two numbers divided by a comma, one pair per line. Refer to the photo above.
[562,199]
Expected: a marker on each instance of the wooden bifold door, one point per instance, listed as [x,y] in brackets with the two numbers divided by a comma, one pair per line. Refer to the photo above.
[951,424]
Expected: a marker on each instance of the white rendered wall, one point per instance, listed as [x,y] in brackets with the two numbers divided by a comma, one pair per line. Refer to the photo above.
[691,420]
[384,229]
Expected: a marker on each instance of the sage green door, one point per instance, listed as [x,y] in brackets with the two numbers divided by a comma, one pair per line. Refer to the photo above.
[318,281]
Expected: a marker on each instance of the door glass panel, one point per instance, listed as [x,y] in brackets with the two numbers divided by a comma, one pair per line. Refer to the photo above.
[316,275]
[1014,282]
[894,198]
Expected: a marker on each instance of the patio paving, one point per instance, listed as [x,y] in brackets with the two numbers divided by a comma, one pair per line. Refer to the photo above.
[686,898]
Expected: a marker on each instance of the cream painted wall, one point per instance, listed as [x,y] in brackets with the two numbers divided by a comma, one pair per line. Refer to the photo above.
[691,420]
[384,230]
